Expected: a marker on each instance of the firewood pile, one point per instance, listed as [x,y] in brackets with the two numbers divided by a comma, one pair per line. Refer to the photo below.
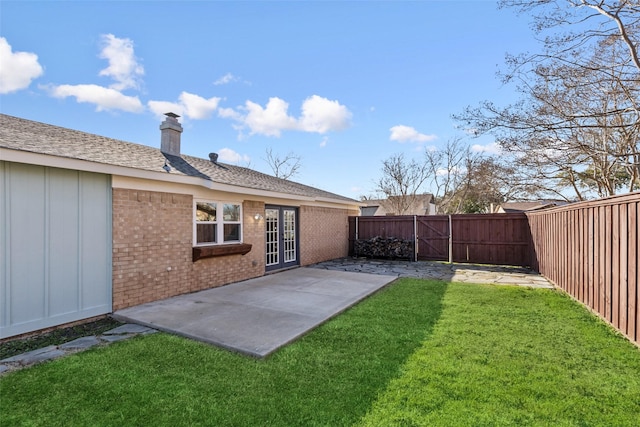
[379,247]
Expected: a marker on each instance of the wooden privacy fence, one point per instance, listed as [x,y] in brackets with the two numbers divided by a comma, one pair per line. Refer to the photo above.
[590,250]
[502,239]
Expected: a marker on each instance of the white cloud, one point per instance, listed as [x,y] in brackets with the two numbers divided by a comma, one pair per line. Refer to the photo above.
[160,108]
[403,133]
[269,121]
[324,141]
[491,148]
[229,156]
[123,68]
[104,98]
[319,115]
[226,79]
[229,113]
[322,115]
[123,64]
[17,69]
[197,107]
[189,105]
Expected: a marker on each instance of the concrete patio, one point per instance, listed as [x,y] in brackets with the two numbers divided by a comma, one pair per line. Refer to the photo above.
[260,315]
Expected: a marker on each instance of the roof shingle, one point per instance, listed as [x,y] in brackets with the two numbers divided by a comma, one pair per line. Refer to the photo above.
[35,137]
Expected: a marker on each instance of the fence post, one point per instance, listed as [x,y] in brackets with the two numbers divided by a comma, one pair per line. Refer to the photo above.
[355,241]
[450,241]
[415,239]
[356,228]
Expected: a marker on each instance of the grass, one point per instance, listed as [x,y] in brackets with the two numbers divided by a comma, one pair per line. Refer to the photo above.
[417,353]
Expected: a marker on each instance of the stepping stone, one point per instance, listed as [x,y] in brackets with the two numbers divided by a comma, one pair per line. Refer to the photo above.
[80,343]
[114,338]
[35,356]
[129,328]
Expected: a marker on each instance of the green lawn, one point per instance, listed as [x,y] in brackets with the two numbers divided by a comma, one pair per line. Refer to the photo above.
[417,353]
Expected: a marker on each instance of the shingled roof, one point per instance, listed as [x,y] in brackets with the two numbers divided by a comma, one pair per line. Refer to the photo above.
[35,137]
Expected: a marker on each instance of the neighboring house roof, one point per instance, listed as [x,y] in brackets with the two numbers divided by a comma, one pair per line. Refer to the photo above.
[35,137]
[422,205]
[511,207]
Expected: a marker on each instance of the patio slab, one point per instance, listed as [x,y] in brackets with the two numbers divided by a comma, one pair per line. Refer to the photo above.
[260,315]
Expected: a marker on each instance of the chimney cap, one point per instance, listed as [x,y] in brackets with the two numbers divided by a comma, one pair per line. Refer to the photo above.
[170,114]
[213,157]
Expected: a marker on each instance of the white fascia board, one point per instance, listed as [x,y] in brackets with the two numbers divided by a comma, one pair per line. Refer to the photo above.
[344,202]
[218,186]
[266,194]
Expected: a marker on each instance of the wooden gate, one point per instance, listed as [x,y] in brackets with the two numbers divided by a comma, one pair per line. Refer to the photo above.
[432,234]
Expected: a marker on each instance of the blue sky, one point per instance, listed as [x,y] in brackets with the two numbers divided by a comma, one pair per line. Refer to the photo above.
[343,85]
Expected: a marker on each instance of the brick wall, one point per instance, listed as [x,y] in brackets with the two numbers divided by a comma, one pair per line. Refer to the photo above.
[324,234]
[152,248]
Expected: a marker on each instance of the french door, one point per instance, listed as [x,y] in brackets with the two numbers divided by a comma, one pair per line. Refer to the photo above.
[281,227]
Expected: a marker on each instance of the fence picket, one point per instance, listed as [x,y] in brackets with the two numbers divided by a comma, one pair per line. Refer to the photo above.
[608,239]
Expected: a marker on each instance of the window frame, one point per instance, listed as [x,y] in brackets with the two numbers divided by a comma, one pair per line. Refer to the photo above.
[219,222]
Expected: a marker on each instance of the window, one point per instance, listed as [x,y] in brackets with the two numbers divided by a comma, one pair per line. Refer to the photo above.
[217,223]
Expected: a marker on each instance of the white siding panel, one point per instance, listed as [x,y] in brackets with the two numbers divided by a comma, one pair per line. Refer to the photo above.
[55,235]
[64,283]
[95,256]
[27,214]
[4,225]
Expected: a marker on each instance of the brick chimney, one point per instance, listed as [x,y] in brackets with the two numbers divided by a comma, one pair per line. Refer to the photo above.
[170,131]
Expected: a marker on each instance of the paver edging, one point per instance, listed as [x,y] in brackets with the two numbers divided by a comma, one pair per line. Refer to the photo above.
[53,352]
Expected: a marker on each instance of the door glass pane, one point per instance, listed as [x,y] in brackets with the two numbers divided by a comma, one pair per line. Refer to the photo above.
[271,225]
[289,237]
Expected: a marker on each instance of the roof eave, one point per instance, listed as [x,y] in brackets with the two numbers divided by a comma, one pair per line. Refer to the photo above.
[27,157]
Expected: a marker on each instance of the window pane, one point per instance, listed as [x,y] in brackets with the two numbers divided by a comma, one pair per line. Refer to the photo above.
[232,232]
[206,233]
[231,212]
[205,211]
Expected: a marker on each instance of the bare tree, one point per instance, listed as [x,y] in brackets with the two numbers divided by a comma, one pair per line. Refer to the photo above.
[577,126]
[401,182]
[447,171]
[468,182]
[583,23]
[283,167]
[486,181]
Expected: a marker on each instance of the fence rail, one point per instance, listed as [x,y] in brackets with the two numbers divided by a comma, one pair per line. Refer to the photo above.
[590,250]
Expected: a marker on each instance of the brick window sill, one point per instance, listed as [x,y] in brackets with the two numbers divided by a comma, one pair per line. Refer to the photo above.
[200,252]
